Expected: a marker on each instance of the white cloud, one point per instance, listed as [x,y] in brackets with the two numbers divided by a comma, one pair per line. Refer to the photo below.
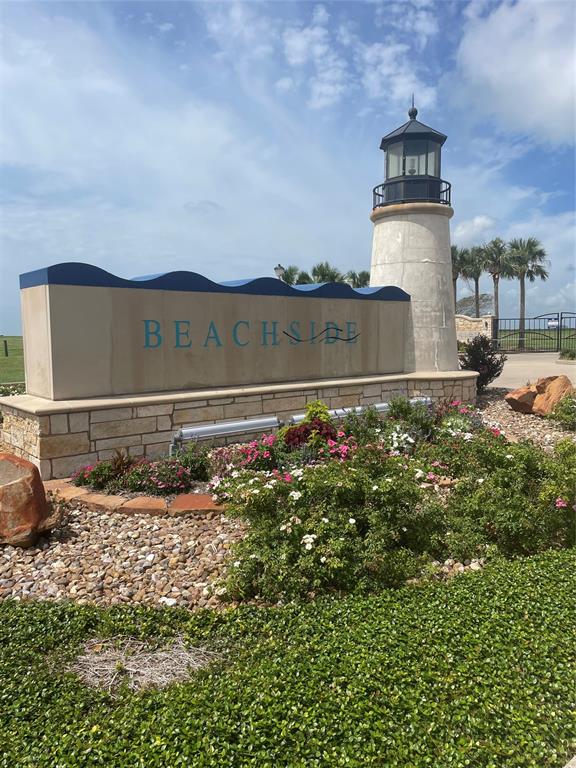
[165,27]
[389,73]
[417,19]
[518,63]
[239,30]
[284,84]
[473,231]
[330,78]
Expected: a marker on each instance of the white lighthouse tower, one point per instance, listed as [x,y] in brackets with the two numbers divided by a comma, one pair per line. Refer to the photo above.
[411,245]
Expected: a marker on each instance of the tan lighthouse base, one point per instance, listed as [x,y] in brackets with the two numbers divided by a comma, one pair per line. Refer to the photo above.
[411,249]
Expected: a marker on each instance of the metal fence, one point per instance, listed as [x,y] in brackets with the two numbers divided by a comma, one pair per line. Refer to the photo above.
[545,333]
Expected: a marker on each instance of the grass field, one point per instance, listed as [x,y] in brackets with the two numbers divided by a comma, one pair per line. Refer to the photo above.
[11,367]
[537,341]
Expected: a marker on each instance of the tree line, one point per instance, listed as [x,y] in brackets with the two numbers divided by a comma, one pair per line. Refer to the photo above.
[522,259]
[518,259]
[324,272]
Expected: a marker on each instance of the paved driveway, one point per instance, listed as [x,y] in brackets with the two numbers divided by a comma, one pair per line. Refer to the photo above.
[524,367]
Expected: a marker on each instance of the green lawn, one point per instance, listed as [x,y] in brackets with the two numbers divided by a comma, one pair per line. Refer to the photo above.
[544,340]
[478,672]
[11,367]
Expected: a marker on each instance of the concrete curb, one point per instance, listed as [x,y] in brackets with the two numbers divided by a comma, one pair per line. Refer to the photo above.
[572,763]
[182,504]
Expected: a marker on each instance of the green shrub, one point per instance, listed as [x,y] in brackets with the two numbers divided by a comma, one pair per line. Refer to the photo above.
[564,414]
[568,354]
[480,356]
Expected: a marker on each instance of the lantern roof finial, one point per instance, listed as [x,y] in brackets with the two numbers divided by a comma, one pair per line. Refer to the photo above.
[412,112]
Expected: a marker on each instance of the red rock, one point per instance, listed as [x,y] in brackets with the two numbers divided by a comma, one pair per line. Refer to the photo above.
[192,502]
[521,399]
[101,502]
[23,505]
[144,505]
[543,384]
[550,392]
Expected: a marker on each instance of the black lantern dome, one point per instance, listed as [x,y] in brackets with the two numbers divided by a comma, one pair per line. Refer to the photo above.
[413,161]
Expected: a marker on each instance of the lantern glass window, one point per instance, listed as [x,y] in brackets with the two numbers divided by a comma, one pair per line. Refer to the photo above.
[394,157]
[416,153]
[433,168]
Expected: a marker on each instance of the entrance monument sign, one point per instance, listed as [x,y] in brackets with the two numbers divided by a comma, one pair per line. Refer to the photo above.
[91,334]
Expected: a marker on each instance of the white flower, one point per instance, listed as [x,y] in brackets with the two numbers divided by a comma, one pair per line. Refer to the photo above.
[468,436]
[255,490]
[253,556]
[308,540]
[297,473]
[480,480]
[322,559]
[324,519]
[509,456]
[418,474]
[295,520]
[374,487]
[352,520]
[295,495]
[236,563]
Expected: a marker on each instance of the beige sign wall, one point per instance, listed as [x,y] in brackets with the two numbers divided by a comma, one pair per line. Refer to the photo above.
[83,341]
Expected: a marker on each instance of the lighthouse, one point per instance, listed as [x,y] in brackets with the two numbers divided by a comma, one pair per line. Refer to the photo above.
[411,214]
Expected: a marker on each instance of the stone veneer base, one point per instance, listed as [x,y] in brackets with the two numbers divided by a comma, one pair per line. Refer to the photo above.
[60,436]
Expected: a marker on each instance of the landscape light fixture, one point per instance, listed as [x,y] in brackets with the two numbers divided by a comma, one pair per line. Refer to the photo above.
[279,271]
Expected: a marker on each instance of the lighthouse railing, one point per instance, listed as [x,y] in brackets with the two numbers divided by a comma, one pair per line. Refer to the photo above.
[415,189]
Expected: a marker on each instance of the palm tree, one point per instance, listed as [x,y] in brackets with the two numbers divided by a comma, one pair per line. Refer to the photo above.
[326,273]
[291,274]
[358,279]
[459,256]
[472,269]
[303,278]
[527,257]
[498,264]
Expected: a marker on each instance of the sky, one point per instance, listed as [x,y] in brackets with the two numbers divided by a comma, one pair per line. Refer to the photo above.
[223,138]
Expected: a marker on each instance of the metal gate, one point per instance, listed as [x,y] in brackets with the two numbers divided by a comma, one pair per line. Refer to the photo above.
[544,333]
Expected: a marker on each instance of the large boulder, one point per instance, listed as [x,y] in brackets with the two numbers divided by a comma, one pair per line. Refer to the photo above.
[24,510]
[540,398]
[522,399]
[550,392]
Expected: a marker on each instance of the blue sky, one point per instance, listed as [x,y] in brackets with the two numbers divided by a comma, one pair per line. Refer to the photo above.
[224,138]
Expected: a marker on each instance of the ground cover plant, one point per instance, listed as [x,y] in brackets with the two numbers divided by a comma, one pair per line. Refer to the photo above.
[479,671]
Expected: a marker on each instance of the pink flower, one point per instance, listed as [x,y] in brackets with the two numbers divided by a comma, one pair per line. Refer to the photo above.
[340,434]
[559,503]
[463,410]
[495,431]
[431,476]
[436,464]
[288,477]
[455,403]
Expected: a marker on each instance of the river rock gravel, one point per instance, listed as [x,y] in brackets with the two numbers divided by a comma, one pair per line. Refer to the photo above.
[544,432]
[111,558]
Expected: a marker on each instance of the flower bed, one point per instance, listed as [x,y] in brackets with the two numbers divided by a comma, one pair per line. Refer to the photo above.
[372,501]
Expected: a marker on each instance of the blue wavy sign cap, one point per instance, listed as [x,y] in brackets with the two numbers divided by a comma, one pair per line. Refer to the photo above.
[76,273]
